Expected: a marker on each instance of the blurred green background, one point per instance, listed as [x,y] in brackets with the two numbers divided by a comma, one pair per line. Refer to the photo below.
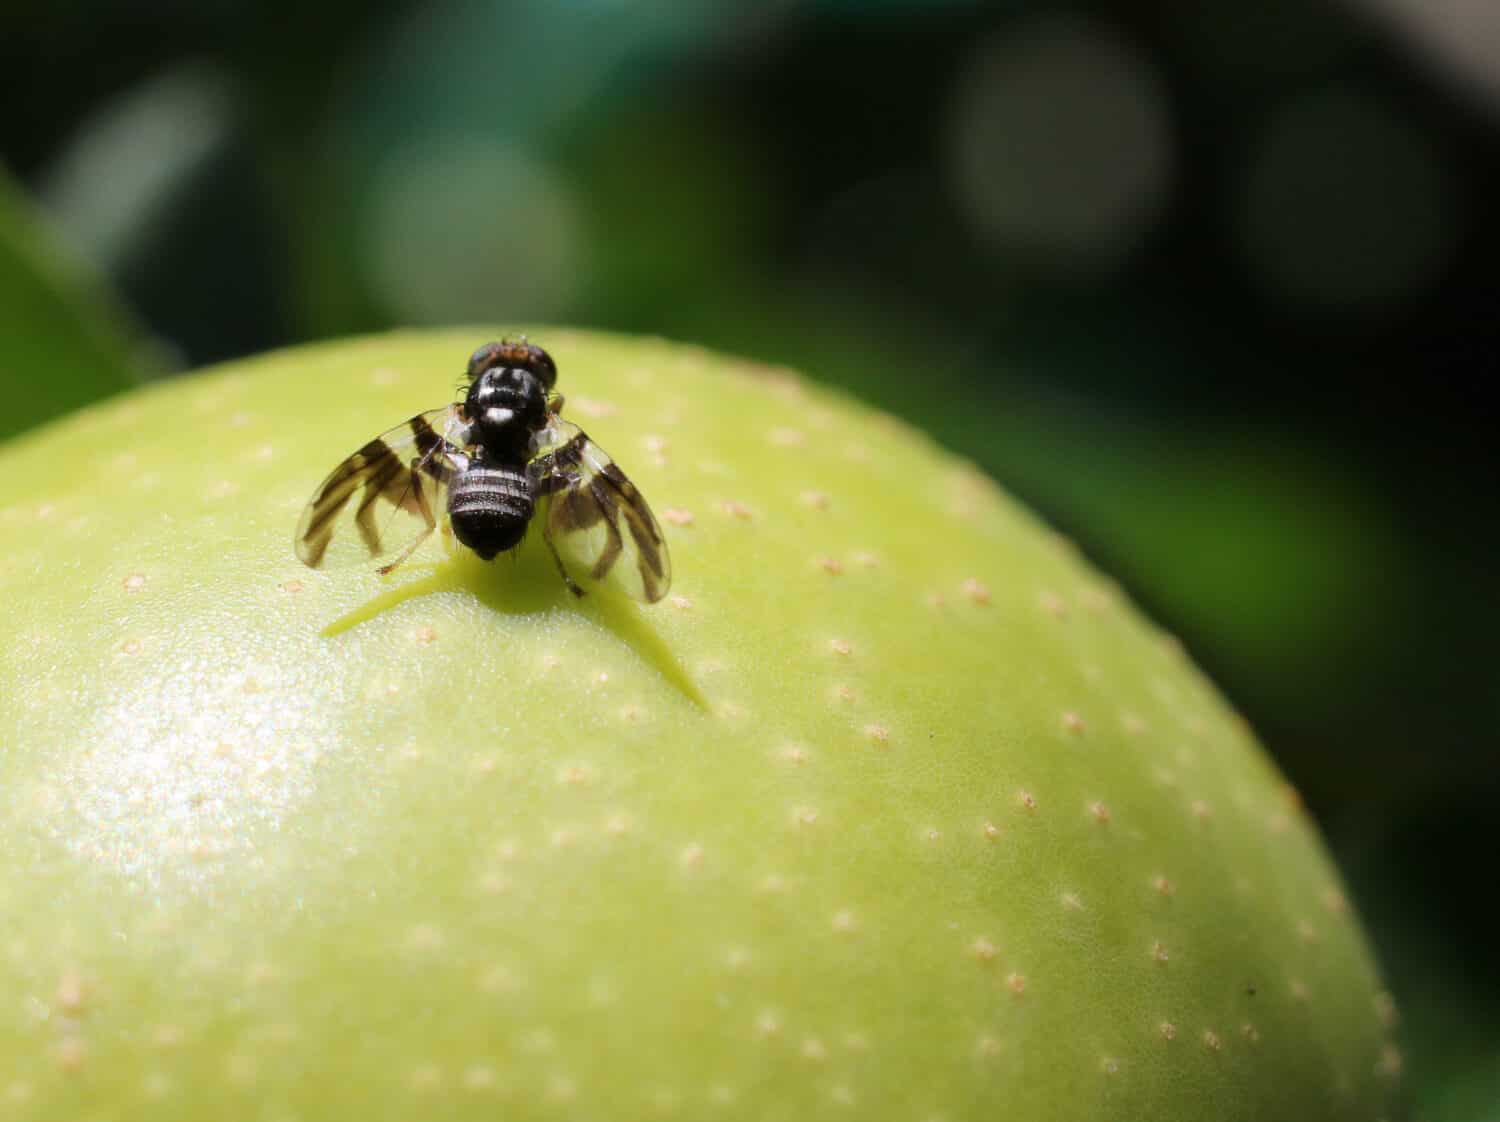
[1212,285]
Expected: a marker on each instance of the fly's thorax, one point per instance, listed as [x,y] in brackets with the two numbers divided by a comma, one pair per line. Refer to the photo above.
[505,406]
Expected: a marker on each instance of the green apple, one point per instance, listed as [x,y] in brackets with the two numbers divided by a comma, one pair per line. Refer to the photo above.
[892,809]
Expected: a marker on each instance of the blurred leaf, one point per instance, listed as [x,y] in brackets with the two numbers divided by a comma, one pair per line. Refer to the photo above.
[63,340]
[114,181]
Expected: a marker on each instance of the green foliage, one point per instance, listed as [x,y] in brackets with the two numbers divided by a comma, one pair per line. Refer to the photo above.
[62,342]
[893,809]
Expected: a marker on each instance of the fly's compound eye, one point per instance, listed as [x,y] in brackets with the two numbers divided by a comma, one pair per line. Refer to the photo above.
[540,363]
[491,354]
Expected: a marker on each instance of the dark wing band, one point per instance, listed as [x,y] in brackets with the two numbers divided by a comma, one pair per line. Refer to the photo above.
[595,518]
[385,497]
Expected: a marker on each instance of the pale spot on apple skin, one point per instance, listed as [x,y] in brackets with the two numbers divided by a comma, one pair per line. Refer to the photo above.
[618,825]
[592,407]
[479,1077]
[983,950]
[240,1070]
[1096,599]
[772,885]
[424,937]
[1211,1041]
[71,994]
[677,516]
[1073,723]
[720,1095]
[498,979]
[71,1053]
[134,582]
[1168,1031]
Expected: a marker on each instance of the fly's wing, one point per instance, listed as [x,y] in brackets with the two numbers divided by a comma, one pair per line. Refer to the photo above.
[386,497]
[594,518]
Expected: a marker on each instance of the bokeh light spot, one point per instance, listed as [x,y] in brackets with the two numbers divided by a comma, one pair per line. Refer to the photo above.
[1347,207]
[1060,144]
[465,228]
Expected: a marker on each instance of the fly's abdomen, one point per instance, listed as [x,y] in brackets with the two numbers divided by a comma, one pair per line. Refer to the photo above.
[490,508]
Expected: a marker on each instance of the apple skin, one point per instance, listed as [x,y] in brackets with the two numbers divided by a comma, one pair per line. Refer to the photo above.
[893,809]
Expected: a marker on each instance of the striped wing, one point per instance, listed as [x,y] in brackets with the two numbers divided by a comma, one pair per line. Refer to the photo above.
[383,500]
[600,526]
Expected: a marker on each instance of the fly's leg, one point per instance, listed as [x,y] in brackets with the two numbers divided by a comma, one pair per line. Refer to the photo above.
[561,568]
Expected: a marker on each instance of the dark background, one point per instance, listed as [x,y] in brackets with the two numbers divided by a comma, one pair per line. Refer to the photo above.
[1213,285]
